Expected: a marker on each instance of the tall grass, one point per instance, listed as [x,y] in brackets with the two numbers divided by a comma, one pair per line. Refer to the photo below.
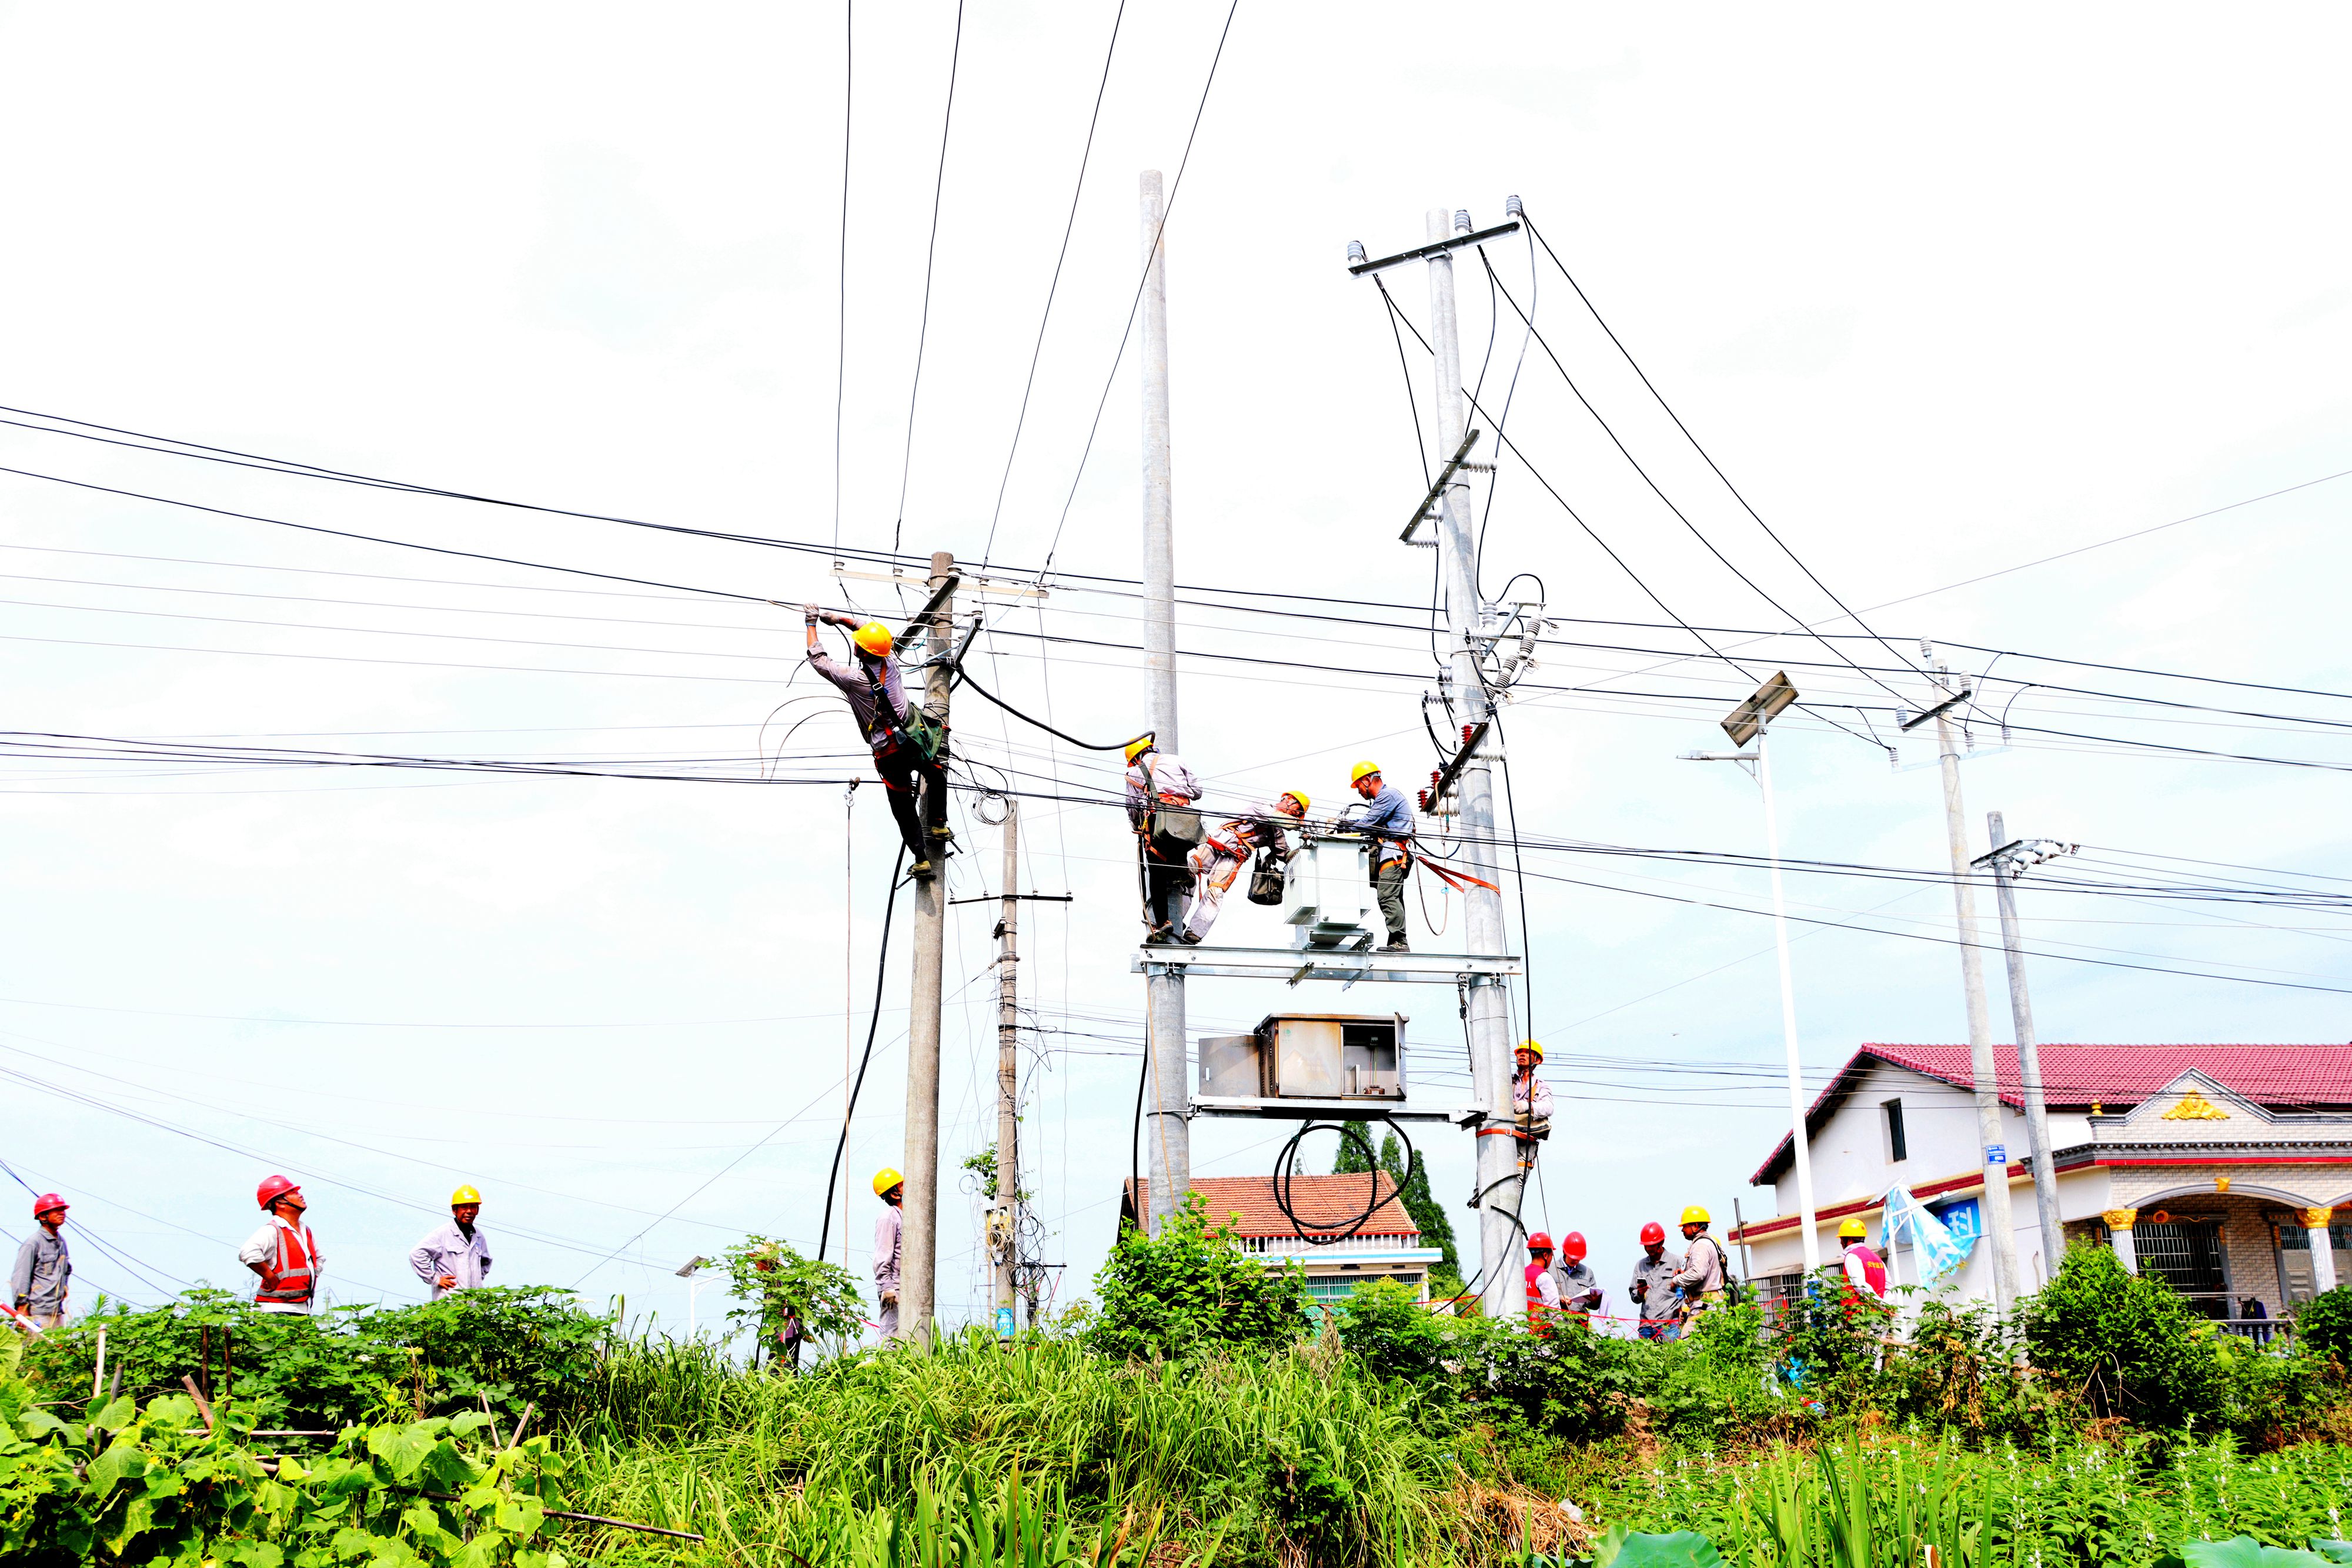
[1253,1457]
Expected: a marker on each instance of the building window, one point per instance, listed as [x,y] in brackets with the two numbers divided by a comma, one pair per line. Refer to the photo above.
[1898,1148]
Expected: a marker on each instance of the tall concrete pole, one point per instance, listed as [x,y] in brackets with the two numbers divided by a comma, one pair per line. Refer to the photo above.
[1004,1227]
[1999,1234]
[1800,1144]
[1503,1292]
[919,1258]
[1167,1134]
[2029,1061]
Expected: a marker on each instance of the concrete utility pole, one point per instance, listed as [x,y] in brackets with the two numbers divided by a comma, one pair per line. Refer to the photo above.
[1800,1143]
[1003,1219]
[1999,1233]
[919,1258]
[1168,1131]
[2006,869]
[1502,1292]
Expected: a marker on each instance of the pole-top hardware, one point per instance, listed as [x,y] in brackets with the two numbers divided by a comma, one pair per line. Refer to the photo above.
[966,583]
[1437,492]
[1435,247]
[1768,703]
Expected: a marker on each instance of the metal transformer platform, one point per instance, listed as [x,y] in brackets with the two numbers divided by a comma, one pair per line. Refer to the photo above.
[1295,964]
[1272,1109]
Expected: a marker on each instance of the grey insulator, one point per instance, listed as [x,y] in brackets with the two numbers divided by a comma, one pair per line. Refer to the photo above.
[1355,252]
[1512,209]
[1460,221]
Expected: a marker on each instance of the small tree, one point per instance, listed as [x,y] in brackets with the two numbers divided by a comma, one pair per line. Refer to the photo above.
[788,1300]
[1191,1288]
[2125,1344]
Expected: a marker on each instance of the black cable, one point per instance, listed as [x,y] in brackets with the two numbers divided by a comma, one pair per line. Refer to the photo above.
[1326,1235]
[824,1231]
[1135,1139]
[1519,874]
[923,326]
[1053,286]
[1040,723]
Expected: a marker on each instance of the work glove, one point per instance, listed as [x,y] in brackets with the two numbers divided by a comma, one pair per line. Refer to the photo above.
[890,1298]
[809,613]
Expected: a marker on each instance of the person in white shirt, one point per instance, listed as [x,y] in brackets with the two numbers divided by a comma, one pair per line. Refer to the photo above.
[283,1254]
[457,1257]
[889,1232]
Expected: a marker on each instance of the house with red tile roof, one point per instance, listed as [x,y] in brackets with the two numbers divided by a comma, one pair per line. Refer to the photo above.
[1387,1246]
[2218,1167]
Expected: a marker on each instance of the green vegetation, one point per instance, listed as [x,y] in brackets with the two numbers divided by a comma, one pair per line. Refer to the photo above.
[1198,1416]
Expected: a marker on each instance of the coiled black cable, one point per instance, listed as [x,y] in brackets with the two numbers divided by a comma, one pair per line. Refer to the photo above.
[1323,1235]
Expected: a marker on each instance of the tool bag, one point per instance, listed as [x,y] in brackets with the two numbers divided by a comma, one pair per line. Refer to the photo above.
[916,731]
[1175,831]
[1268,880]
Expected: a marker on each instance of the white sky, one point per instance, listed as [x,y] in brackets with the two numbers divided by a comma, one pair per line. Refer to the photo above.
[1940,301]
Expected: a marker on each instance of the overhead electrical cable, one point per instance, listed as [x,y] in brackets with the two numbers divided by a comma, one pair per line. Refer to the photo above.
[923,326]
[1168,208]
[841,276]
[1054,283]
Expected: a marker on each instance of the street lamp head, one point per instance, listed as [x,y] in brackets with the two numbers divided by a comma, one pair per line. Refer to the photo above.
[687,1270]
[1768,702]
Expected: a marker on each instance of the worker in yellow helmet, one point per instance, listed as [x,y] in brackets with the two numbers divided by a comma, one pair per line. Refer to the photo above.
[1160,797]
[1700,1282]
[1224,850]
[889,1235]
[1388,817]
[910,743]
[456,1256]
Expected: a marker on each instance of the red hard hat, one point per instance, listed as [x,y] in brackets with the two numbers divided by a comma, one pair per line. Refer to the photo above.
[1539,1243]
[273,1188]
[1653,1234]
[47,1201]
[1572,1246]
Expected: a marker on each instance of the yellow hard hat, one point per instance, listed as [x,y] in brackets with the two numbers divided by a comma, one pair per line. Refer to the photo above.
[1534,1047]
[885,1179]
[1694,1215]
[1852,1229]
[1305,805]
[1361,772]
[464,1195]
[1139,746]
[874,637]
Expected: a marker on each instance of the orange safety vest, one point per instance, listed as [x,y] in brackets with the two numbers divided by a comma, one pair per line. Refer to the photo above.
[291,1273]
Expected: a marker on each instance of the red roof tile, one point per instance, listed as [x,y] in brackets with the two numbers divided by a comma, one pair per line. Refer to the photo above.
[2283,1077]
[1323,1203]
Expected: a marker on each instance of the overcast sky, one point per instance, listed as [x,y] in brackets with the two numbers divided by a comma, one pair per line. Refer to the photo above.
[1940,300]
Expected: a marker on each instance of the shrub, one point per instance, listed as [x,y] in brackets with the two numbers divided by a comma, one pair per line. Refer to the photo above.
[2324,1325]
[1958,1373]
[1718,1382]
[1572,1386]
[2123,1344]
[1832,1337]
[510,1345]
[1394,1336]
[1191,1288]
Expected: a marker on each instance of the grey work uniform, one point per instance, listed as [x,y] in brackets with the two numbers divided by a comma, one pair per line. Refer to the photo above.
[460,1251]
[38,1283]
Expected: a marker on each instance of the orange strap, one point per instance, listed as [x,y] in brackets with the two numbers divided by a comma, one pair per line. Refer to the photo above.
[1456,879]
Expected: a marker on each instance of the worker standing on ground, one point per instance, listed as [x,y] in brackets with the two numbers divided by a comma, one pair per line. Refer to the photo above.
[1161,791]
[1699,1281]
[1865,1272]
[910,744]
[1653,1291]
[37,1285]
[1579,1289]
[889,1232]
[1543,1289]
[1530,1098]
[456,1257]
[283,1254]
[1225,850]
[1388,818]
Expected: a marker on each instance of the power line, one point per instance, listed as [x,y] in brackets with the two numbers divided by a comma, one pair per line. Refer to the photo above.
[930,250]
[841,297]
[1054,283]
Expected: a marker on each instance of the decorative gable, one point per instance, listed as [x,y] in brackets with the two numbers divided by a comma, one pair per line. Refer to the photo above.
[2194,1108]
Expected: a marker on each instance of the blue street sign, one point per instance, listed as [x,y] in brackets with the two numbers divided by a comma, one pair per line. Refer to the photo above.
[1995,1153]
[1005,1323]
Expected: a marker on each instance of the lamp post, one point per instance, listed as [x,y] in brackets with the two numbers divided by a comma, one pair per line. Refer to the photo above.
[691,1272]
[1746,727]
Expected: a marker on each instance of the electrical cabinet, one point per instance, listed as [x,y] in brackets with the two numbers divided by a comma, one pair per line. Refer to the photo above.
[1308,1056]
[1327,896]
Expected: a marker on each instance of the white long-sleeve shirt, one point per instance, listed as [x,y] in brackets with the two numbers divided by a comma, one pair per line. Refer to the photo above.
[449,1251]
[1531,1096]
[887,1230]
[262,1246]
